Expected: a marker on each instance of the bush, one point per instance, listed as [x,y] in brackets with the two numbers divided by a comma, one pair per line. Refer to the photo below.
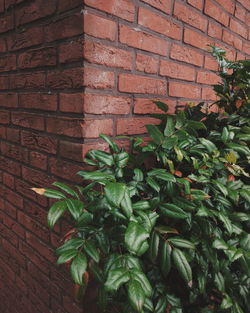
[175,237]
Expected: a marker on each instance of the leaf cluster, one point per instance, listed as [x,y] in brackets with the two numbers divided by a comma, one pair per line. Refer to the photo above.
[173,236]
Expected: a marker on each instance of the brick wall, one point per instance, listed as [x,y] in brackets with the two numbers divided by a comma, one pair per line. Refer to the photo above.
[69,71]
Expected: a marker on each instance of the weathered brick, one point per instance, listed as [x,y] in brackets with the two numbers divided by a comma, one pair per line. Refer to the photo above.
[147,106]
[146,63]
[98,78]
[13,134]
[214,30]
[68,78]
[197,40]
[185,54]
[238,28]
[68,26]
[36,177]
[208,78]
[184,90]
[213,10]
[14,152]
[135,37]
[129,126]
[71,51]
[232,39]
[103,104]
[4,117]
[65,170]
[210,63]
[107,55]
[91,128]
[38,160]
[6,23]
[27,80]
[98,26]
[228,5]
[33,11]
[40,101]
[122,8]
[190,16]
[71,150]
[163,5]
[141,84]
[65,5]
[159,24]
[71,102]
[37,58]
[39,142]
[175,70]
[28,120]
[8,100]
[240,13]
[9,180]
[7,63]
[198,4]
[64,126]
[208,94]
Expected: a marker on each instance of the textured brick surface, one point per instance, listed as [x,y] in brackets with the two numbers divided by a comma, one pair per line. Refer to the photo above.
[69,70]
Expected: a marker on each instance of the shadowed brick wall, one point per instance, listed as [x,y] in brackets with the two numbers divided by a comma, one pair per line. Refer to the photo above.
[70,70]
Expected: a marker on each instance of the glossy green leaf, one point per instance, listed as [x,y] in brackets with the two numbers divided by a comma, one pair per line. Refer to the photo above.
[67,189]
[152,183]
[126,204]
[138,174]
[84,219]
[155,133]
[173,211]
[165,258]
[67,256]
[141,205]
[114,193]
[161,305]
[55,212]
[169,129]
[121,159]
[75,207]
[135,237]
[208,145]
[102,157]
[96,176]
[143,280]
[116,278]
[78,268]
[154,244]
[91,250]
[161,105]
[111,143]
[181,243]
[54,194]
[136,295]
[72,244]
[182,266]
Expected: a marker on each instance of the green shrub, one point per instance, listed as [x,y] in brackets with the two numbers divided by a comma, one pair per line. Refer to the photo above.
[175,237]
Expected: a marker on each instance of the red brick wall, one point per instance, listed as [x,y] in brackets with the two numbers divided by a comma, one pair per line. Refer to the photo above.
[134,51]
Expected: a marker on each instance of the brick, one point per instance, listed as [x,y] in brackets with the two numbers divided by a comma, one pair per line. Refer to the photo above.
[185,54]
[216,13]
[184,90]
[2,132]
[14,152]
[208,94]
[40,101]
[104,104]
[24,189]
[245,3]
[64,126]
[64,28]
[91,128]
[214,30]
[211,63]
[33,226]
[36,212]
[190,16]
[228,5]
[65,5]
[71,51]
[159,24]
[107,55]
[10,209]
[131,126]
[141,84]
[238,28]
[13,226]
[28,120]
[4,82]
[98,78]
[136,38]
[11,3]
[164,5]
[122,8]
[99,27]
[197,40]
[208,78]
[39,142]
[71,150]
[71,102]
[146,63]
[2,45]
[27,80]
[240,13]
[9,180]
[34,11]
[65,170]
[14,253]
[7,63]
[25,38]
[37,58]
[68,78]
[175,70]
[6,23]
[246,48]
[8,100]
[240,56]
[13,135]
[36,177]
[4,117]
[198,4]
[147,106]
[38,160]
[13,198]
[232,40]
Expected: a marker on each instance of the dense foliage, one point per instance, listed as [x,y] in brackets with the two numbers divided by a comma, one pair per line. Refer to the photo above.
[174,236]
